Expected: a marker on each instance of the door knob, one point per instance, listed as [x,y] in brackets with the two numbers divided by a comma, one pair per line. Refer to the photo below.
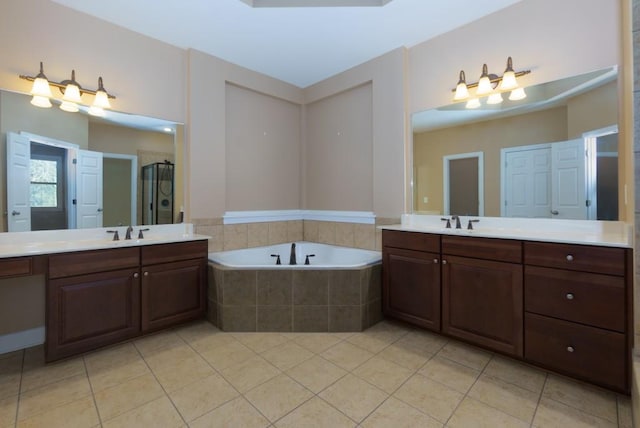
[99,210]
[554,212]
[14,212]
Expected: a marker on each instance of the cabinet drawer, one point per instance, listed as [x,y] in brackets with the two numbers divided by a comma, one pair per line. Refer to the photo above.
[411,240]
[83,262]
[587,298]
[503,250]
[164,253]
[15,267]
[585,258]
[591,353]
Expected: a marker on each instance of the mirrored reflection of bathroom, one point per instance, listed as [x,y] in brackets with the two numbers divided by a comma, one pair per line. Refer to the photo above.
[71,170]
[551,155]
[157,193]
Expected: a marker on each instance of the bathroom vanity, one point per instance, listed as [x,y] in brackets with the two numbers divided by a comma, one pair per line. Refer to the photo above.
[99,292]
[558,300]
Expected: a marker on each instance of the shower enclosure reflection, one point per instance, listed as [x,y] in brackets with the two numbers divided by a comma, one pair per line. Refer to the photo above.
[157,193]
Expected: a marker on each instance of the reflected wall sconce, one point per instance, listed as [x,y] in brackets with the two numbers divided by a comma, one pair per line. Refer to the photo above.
[71,93]
[490,86]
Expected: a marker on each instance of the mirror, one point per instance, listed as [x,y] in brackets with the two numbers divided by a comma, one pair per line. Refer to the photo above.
[513,158]
[126,143]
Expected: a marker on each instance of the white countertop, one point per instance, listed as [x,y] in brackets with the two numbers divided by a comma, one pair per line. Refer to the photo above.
[583,232]
[17,244]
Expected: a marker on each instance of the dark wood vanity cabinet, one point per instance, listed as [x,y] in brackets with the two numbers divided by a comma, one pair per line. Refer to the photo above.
[96,298]
[577,305]
[564,307]
[173,283]
[93,299]
[411,278]
[482,292]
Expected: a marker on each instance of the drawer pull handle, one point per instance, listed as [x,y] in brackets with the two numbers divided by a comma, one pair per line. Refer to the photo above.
[135,275]
[570,296]
[146,274]
[444,262]
[569,258]
[435,261]
[570,349]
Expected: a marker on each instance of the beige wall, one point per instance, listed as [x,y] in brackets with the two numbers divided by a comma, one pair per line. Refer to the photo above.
[339,151]
[262,151]
[116,197]
[593,110]
[386,75]
[108,138]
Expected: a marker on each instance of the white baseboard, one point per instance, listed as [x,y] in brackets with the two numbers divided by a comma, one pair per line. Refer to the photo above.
[21,339]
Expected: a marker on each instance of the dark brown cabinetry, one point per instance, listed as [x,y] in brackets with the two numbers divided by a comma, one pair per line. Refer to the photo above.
[561,306]
[482,297]
[93,299]
[96,298]
[173,292]
[577,311]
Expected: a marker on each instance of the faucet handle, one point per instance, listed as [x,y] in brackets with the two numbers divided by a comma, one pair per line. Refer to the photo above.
[115,234]
[470,224]
[306,260]
[140,235]
[278,258]
[448,226]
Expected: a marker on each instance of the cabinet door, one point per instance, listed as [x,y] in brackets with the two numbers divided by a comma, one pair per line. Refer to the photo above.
[411,287]
[173,293]
[85,312]
[482,303]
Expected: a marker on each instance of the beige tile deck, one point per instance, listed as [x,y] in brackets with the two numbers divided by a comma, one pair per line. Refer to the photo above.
[390,376]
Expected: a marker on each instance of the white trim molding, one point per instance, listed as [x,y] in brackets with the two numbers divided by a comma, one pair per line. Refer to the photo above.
[238,217]
[21,339]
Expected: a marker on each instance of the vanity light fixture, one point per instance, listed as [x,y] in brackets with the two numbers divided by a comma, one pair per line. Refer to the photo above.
[72,93]
[492,86]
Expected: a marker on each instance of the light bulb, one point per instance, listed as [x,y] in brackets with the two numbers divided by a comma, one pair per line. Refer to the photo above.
[41,86]
[473,103]
[494,99]
[101,99]
[484,84]
[509,78]
[462,91]
[517,94]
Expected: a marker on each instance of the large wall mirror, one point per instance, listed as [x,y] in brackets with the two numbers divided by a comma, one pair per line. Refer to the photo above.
[552,155]
[72,170]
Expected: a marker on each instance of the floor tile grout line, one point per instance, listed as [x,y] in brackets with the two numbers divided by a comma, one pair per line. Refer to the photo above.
[93,395]
[15,422]
[159,383]
[535,412]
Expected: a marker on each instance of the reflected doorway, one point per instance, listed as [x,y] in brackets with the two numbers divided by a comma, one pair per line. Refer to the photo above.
[463,180]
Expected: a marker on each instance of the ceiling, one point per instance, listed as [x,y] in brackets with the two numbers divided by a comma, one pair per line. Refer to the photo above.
[299,45]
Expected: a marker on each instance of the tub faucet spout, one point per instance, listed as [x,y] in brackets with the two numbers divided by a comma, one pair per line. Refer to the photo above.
[292,257]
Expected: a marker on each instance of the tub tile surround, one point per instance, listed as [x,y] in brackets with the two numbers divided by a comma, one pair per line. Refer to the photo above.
[346,229]
[306,379]
[295,300]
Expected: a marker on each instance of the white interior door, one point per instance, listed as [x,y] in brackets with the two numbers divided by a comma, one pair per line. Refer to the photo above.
[18,182]
[527,183]
[568,180]
[89,189]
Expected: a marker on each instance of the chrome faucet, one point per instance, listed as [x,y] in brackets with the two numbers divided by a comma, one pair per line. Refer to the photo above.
[128,235]
[292,257]
[457,219]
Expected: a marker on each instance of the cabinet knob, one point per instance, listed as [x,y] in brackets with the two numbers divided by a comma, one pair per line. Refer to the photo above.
[135,275]
[435,261]
[146,274]
[570,296]
[444,262]
[570,349]
[569,258]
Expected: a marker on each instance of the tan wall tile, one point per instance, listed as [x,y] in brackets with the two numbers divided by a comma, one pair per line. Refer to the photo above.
[383,221]
[326,232]
[310,230]
[295,231]
[235,236]
[378,240]
[344,234]
[216,242]
[258,234]
[277,232]
[364,236]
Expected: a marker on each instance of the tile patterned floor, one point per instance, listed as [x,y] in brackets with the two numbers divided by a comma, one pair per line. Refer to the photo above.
[389,376]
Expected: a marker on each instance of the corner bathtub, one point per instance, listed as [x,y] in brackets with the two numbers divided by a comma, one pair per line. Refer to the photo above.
[340,290]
